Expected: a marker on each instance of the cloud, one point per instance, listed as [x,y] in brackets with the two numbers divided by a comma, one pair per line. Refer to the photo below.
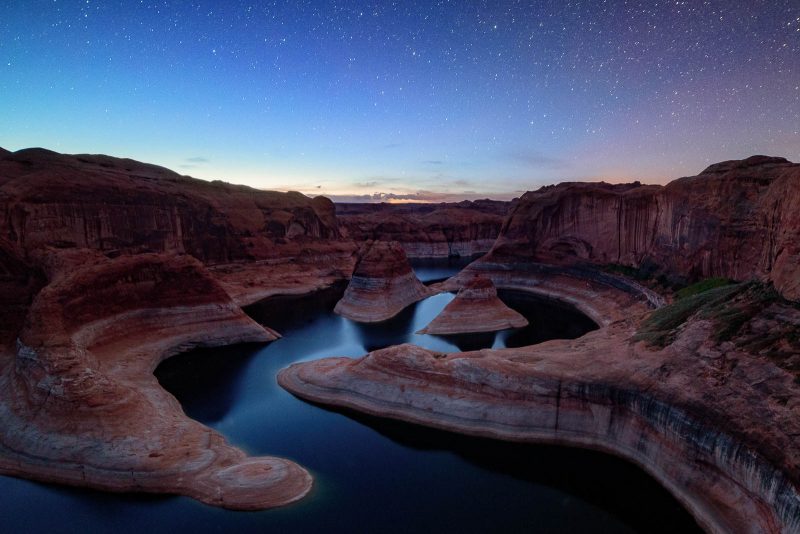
[196,159]
[391,145]
[534,158]
[366,184]
[358,199]
[419,196]
[433,162]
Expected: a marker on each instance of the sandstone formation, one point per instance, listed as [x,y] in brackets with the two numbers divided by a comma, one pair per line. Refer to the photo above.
[716,425]
[703,393]
[476,308]
[80,404]
[118,205]
[383,284]
[427,230]
[108,266]
[737,219]
[255,242]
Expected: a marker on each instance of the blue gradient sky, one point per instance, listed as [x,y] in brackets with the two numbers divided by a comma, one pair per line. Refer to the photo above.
[408,100]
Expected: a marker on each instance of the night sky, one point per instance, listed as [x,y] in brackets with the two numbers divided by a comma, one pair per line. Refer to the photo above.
[405,100]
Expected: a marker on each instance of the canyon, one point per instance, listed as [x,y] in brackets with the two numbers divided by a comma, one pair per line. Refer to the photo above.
[109,266]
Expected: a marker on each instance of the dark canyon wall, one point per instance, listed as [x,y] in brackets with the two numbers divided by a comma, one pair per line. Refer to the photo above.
[119,205]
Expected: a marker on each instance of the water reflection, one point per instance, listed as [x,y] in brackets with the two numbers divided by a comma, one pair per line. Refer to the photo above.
[394,331]
[468,342]
[370,475]
[210,384]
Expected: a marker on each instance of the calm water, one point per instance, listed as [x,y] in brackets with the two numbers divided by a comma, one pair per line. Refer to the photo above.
[370,475]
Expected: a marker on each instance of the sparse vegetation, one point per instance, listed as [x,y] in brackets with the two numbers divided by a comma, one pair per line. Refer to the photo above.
[751,315]
[702,286]
[662,326]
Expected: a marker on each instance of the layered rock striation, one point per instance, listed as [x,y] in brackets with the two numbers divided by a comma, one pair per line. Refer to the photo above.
[383,284]
[703,393]
[717,425]
[427,230]
[107,266]
[118,205]
[81,406]
[736,219]
[476,308]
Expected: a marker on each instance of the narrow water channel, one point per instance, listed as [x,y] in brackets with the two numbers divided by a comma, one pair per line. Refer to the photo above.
[370,475]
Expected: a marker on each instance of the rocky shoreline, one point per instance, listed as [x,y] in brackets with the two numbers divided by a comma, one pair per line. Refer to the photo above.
[80,393]
[476,308]
[693,426]
[108,266]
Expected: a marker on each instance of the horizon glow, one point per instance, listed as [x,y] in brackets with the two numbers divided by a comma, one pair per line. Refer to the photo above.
[405,101]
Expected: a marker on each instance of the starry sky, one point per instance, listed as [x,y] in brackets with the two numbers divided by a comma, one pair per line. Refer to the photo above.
[405,100]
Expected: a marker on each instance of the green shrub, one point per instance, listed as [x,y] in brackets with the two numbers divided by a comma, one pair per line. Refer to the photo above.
[702,286]
[662,325]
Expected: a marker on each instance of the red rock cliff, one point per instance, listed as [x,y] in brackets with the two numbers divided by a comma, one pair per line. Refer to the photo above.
[108,266]
[736,219]
[113,204]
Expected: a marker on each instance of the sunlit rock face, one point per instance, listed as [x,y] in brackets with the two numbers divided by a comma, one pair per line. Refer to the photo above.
[427,230]
[476,308]
[737,219]
[383,284]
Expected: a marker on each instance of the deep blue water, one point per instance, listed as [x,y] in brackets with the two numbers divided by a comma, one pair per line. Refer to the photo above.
[370,475]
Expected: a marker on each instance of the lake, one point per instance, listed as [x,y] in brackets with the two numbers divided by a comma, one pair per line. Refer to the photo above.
[370,475]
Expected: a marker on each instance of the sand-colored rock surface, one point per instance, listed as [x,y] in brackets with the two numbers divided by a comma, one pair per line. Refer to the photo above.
[715,425]
[382,285]
[80,404]
[476,308]
[427,230]
[736,219]
[107,266]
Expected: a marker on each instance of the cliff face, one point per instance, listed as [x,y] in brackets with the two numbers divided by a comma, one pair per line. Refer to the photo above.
[427,230]
[736,219]
[19,282]
[107,266]
[715,421]
[79,403]
[118,205]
